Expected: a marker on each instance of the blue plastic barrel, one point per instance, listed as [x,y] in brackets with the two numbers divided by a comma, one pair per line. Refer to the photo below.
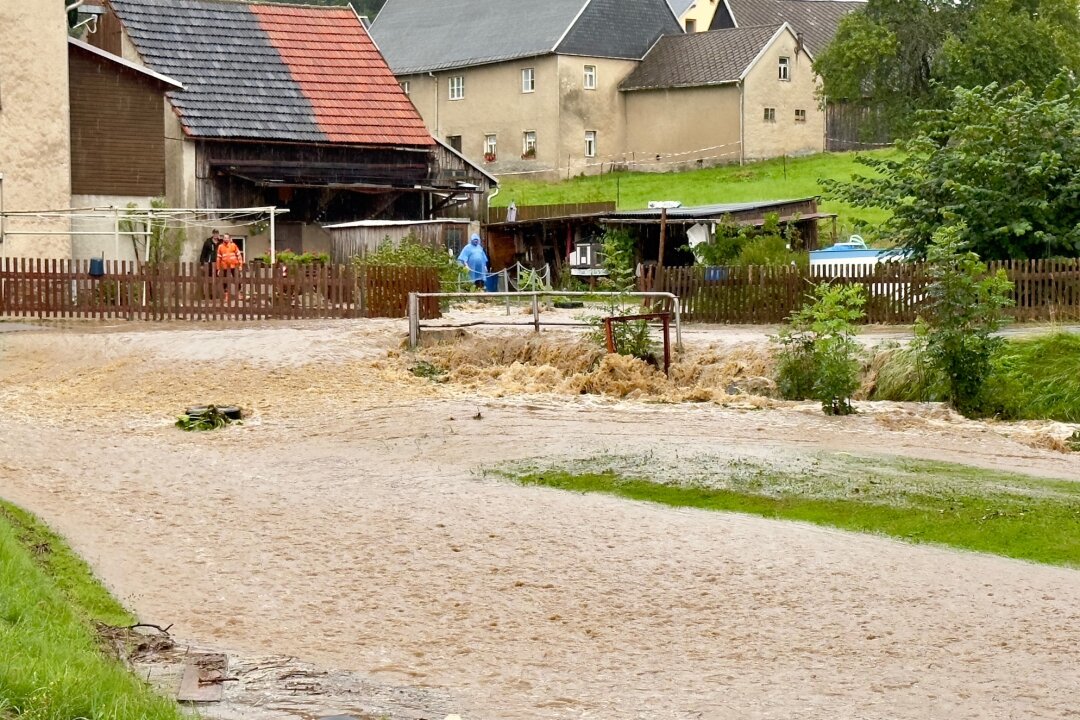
[491,283]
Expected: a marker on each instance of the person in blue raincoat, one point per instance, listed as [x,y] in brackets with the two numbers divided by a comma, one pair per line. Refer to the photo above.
[475,260]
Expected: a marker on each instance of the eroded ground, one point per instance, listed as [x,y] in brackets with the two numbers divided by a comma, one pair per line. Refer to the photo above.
[350,522]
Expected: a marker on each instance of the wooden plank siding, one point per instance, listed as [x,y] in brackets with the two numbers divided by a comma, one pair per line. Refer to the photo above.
[896,292]
[117,129]
[186,291]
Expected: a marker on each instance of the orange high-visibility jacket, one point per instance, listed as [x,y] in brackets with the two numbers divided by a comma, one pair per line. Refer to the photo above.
[228,256]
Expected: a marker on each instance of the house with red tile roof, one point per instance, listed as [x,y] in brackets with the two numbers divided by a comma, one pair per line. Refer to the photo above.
[290,106]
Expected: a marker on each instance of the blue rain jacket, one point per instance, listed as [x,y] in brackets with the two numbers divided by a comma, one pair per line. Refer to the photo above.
[473,257]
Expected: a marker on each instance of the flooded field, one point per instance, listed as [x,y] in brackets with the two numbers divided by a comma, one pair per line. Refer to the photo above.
[354,521]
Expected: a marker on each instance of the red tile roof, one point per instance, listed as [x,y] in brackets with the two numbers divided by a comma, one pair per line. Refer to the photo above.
[338,68]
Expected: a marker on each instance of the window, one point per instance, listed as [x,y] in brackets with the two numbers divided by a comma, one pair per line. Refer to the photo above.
[800,116]
[405,86]
[528,144]
[784,68]
[590,143]
[528,80]
[457,87]
[770,114]
[590,77]
[691,26]
[454,141]
[490,148]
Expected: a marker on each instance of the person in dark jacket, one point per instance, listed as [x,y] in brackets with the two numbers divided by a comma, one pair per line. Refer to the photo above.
[208,256]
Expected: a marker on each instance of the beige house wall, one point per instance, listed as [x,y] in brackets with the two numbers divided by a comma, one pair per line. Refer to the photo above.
[601,110]
[701,12]
[701,122]
[494,104]
[763,88]
[559,111]
[35,133]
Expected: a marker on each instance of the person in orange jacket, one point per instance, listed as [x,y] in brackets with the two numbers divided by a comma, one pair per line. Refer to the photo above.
[229,260]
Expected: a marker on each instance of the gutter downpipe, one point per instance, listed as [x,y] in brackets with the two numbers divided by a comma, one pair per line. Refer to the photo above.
[742,120]
[487,208]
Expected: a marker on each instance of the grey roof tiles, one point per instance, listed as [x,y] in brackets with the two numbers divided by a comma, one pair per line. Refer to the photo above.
[708,58]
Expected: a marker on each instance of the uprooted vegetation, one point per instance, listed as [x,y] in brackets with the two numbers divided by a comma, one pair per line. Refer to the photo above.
[576,366]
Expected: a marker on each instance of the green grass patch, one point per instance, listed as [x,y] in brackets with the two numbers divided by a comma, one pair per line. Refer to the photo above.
[1001,513]
[1032,379]
[768,180]
[53,667]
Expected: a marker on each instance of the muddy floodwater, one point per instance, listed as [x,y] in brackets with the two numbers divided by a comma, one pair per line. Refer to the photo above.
[353,521]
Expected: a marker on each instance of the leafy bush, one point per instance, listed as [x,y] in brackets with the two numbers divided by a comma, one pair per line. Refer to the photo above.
[631,338]
[411,252]
[291,259]
[819,356]
[741,246]
[956,329]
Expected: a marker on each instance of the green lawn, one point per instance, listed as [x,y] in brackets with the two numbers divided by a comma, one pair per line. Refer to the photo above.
[52,666]
[769,180]
[1001,513]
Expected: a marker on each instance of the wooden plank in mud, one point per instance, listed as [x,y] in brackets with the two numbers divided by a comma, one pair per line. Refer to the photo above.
[203,676]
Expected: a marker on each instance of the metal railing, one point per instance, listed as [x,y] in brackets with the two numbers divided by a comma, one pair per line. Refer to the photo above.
[414,307]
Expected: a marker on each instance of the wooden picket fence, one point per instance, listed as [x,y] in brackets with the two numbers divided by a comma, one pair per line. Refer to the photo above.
[896,292]
[187,291]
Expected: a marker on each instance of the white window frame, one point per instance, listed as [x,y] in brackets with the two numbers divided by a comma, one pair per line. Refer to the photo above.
[783,69]
[590,143]
[800,115]
[456,85]
[589,79]
[405,86]
[491,145]
[769,115]
[528,140]
[528,80]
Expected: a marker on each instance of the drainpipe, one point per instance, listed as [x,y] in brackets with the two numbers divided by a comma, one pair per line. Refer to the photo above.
[490,197]
[742,120]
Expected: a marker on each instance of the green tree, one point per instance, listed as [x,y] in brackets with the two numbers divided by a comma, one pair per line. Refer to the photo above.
[900,56]
[955,332]
[1003,165]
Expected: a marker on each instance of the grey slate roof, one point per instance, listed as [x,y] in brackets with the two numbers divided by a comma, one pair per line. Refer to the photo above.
[192,46]
[426,35]
[707,58]
[680,6]
[817,20]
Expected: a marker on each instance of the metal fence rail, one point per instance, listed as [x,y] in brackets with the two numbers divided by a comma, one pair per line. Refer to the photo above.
[415,299]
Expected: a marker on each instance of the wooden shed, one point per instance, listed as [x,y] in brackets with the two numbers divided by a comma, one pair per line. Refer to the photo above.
[357,239]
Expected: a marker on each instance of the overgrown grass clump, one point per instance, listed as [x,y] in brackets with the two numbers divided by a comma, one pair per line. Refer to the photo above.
[1030,379]
[51,666]
[1001,513]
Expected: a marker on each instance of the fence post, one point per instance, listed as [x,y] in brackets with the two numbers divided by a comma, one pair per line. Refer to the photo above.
[536,311]
[414,321]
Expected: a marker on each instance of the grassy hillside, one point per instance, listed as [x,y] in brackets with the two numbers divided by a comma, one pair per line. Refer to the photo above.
[769,180]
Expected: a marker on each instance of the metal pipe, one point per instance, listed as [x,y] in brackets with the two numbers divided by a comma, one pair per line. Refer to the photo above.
[414,325]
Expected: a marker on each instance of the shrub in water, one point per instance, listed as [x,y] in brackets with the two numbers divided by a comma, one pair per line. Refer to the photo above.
[819,355]
[956,330]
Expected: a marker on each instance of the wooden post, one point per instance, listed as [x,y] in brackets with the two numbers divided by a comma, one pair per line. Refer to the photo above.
[660,257]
